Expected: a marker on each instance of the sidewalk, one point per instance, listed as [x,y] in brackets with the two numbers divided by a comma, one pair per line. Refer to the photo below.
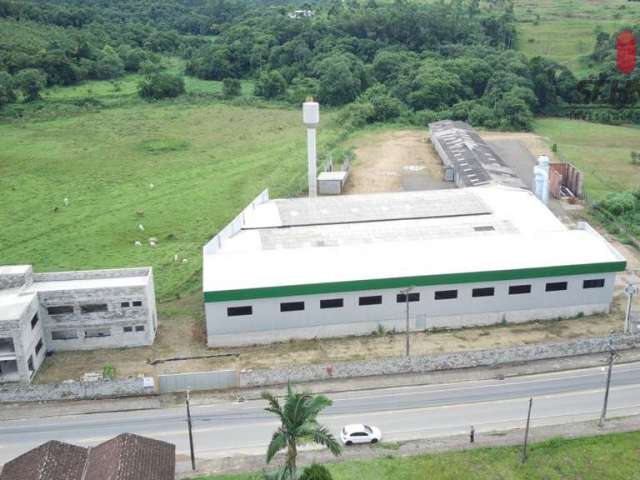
[61,408]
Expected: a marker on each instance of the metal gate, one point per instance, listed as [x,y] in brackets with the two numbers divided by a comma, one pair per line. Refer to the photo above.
[212,380]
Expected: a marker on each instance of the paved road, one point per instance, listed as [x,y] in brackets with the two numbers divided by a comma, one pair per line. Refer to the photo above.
[402,413]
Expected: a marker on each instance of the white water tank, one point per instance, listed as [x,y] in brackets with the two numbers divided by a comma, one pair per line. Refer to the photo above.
[541,179]
[311,114]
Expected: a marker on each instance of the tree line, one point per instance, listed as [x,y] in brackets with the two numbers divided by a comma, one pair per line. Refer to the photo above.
[406,60]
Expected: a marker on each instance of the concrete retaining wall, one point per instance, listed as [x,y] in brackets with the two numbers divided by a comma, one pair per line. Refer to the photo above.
[446,361]
[130,387]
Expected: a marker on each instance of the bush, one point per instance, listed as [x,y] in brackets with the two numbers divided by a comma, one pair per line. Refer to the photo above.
[161,85]
[270,85]
[231,87]
[31,81]
[619,203]
[316,472]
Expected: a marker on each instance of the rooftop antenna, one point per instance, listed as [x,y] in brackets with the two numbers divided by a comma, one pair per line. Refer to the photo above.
[311,118]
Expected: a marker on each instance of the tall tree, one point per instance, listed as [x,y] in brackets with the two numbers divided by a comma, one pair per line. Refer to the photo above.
[298,424]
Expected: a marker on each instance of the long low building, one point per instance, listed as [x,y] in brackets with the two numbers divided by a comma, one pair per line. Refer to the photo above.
[332,266]
[82,310]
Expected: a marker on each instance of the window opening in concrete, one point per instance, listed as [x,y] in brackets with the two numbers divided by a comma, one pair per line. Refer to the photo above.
[64,334]
[446,294]
[519,289]
[97,332]
[332,303]
[60,310]
[594,283]
[483,292]
[94,308]
[555,286]
[402,297]
[373,300]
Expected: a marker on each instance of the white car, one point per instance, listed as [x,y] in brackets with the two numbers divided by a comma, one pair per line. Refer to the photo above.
[360,433]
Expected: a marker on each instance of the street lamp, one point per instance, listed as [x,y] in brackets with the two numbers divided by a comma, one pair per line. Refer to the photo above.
[405,292]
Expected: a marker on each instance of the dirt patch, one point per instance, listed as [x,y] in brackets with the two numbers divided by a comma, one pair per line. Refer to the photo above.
[393,161]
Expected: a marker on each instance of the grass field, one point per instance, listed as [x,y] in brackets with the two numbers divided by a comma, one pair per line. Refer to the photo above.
[205,162]
[610,457]
[564,30]
[602,152]
[127,86]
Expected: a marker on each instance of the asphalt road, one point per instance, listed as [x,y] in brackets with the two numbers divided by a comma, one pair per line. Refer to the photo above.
[401,413]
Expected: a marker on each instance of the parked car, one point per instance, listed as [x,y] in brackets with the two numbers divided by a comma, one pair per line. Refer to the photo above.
[360,433]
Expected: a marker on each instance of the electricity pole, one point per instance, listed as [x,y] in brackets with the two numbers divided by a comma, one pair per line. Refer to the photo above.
[193,459]
[603,415]
[405,292]
[526,433]
[630,290]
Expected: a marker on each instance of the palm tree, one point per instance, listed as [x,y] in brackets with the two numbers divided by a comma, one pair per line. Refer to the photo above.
[298,424]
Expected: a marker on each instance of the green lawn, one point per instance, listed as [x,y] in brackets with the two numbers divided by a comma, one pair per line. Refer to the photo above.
[602,152]
[206,161]
[127,86]
[610,457]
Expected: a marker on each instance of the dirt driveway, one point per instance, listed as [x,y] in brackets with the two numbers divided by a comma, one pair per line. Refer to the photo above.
[393,161]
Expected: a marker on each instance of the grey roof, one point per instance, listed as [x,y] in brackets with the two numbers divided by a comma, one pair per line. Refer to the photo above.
[474,161]
[381,207]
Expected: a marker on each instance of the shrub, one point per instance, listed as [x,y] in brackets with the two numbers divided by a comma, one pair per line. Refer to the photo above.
[619,203]
[316,472]
[108,371]
[231,87]
[270,85]
[161,85]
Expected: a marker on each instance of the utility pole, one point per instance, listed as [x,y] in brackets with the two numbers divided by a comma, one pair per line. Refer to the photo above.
[405,292]
[193,458]
[603,415]
[526,432]
[630,290]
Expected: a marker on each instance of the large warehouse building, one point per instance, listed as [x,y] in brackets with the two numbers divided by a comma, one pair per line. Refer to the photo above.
[330,266]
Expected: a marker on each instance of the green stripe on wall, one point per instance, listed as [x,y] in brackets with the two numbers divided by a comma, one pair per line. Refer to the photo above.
[421,281]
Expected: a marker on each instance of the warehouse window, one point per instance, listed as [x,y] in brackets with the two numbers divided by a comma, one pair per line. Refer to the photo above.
[139,328]
[555,286]
[34,321]
[237,311]
[38,346]
[519,289]
[483,292]
[64,334]
[594,283]
[125,304]
[402,297]
[373,300]
[446,294]
[291,306]
[127,329]
[94,308]
[97,332]
[332,303]
[61,310]
[137,303]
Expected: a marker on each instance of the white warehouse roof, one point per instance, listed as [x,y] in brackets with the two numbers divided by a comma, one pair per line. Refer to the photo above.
[278,248]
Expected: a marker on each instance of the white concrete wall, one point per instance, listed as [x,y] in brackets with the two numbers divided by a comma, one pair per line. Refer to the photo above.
[268,324]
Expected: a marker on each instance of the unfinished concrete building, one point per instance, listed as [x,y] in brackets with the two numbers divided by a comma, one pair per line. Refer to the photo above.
[82,310]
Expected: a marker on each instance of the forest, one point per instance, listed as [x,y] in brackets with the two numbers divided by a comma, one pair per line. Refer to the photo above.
[409,61]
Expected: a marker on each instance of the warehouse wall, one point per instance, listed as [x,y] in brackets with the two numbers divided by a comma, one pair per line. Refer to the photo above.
[267,323]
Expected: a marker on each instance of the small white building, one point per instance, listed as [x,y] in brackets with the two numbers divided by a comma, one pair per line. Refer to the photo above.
[331,266]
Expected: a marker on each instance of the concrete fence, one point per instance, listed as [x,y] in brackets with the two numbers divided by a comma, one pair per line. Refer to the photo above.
[128,387]
[212,380]
[445,361]
[223,379]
